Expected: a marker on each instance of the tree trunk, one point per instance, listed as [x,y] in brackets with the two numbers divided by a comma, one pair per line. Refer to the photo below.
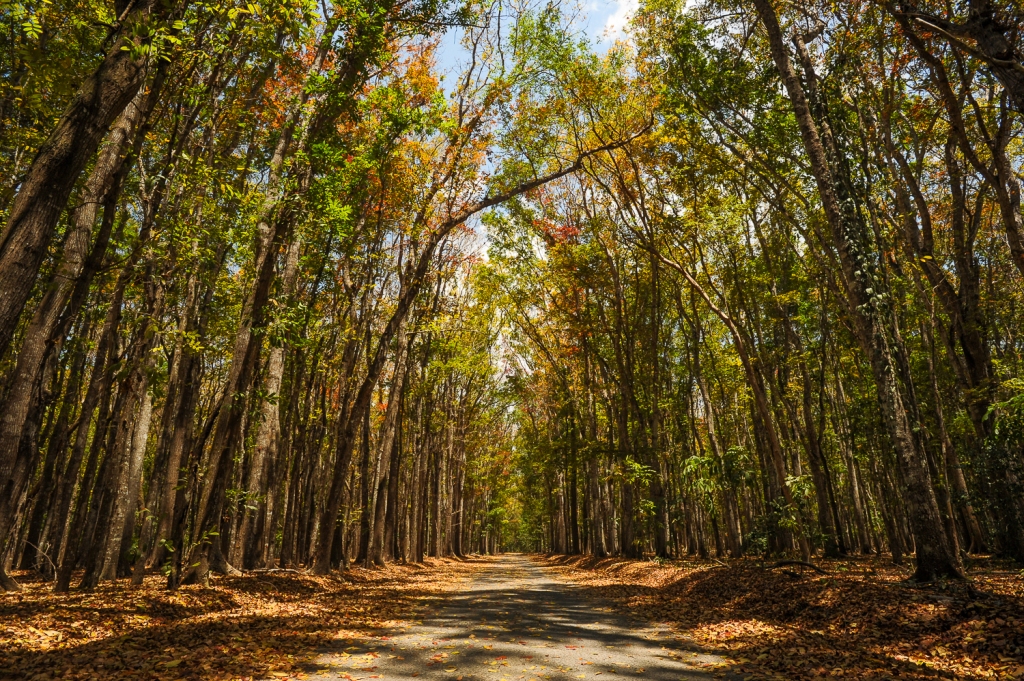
[390,452]
[123,524]
[268,435]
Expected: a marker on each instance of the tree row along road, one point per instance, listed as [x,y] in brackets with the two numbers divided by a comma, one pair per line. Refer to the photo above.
[280,290]
[514,620]
[292,286]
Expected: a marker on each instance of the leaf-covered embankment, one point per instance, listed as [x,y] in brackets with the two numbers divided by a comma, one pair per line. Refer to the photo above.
[861,620]
[256,625]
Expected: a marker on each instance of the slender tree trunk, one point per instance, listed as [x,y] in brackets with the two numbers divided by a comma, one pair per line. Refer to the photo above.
[268,435]
[123,524]
[390,451]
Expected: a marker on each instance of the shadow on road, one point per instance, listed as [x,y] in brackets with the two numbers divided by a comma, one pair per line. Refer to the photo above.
[516,621]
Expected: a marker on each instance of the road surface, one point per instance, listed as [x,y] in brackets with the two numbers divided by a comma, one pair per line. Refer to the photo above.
[515,621]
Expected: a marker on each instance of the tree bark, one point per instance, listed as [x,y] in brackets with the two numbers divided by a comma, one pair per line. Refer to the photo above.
[268,435]
[389,450]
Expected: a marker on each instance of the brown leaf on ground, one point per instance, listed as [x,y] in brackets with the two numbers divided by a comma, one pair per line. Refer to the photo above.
[262,625]
[863,620]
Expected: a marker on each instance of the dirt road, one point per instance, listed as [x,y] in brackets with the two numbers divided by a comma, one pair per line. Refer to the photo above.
[515,620]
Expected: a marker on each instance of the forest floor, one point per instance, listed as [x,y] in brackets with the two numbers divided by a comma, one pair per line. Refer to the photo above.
[513,617]
[497,618]
[862,620]
[260,625]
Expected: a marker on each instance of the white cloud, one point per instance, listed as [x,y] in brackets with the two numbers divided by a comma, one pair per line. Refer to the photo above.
[616,23]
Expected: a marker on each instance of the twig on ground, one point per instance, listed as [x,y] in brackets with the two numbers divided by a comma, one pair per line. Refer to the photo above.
[801,563]
[46,556]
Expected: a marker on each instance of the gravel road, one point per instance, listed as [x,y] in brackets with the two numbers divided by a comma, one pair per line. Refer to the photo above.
[517,621]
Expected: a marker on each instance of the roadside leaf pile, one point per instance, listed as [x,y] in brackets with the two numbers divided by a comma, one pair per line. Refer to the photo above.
[259,625]
[861,620]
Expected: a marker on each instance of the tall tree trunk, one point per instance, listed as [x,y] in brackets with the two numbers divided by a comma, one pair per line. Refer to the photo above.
[268,435]
[97,395]
[841,426]
[124,454]
[123,524]
[390,451]
[46,508]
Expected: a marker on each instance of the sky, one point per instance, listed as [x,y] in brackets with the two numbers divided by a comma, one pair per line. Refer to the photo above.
[606,19]
[602,21]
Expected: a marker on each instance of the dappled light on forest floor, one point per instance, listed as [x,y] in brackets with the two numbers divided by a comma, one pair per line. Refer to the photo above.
[861,620]
[260,625]
[513,620]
